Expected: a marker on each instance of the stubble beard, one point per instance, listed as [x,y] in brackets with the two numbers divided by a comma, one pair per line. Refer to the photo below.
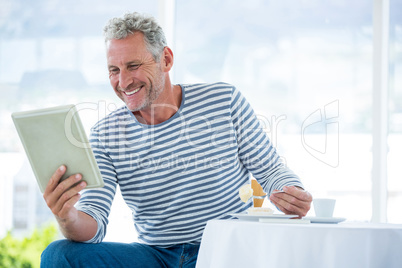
[154,91]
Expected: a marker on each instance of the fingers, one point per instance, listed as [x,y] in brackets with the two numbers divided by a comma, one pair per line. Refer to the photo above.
[293,200]
[284,210]
[298,193]
[62,196]
[54,180]
[67,199]
[66,184]
[65,214]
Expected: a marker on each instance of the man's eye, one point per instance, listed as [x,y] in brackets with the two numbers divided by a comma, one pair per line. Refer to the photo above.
[134,66]
[114,71]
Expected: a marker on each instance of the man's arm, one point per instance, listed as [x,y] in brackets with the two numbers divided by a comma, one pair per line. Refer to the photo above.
[61,198]
[258,155]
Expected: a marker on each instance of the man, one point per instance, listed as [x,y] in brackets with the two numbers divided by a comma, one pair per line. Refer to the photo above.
[179,154]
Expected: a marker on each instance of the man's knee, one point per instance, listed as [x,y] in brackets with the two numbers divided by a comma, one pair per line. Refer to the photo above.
[56,253]
[65,253]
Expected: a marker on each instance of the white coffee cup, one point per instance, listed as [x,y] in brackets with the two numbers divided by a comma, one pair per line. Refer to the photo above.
[324,207]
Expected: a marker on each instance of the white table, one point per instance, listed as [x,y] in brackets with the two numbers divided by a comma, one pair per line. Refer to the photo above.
[235,243]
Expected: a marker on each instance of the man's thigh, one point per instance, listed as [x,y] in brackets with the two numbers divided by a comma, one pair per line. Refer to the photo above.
[65,253]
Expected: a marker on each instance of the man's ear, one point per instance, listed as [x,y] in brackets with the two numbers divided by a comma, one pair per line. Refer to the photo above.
[167,59]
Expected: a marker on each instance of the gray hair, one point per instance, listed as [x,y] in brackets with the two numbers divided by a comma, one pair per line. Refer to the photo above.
[154,37]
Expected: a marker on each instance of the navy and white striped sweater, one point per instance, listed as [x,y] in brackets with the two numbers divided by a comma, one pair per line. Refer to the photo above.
[177,175]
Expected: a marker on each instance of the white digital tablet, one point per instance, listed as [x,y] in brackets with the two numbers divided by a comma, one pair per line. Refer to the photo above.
[55,136]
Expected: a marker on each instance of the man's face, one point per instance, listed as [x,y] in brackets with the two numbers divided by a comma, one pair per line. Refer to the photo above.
[134,75]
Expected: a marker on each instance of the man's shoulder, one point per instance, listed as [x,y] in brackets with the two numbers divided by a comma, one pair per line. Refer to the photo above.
[208,88]
[112,118]
[201,86]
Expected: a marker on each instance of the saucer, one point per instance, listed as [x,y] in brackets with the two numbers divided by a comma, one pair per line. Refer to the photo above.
[247,217]
[324,219]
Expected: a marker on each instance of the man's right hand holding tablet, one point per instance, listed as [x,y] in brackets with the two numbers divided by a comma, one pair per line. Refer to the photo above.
[61,197]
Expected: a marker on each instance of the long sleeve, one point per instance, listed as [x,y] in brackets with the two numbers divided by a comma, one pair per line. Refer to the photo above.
[97,202]
[255,149]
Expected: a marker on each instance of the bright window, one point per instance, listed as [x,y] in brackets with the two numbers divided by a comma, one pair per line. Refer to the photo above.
[305,66]
[395,110]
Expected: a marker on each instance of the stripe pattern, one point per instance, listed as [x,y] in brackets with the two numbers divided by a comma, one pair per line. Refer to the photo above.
[177,175]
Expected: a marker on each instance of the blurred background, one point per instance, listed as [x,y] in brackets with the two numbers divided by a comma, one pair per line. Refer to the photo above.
[309,68]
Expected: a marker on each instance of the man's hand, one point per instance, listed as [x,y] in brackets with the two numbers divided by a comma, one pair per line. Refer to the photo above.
[61,197]
[293,200]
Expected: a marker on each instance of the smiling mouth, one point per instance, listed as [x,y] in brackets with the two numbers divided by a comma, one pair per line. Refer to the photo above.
[132,92]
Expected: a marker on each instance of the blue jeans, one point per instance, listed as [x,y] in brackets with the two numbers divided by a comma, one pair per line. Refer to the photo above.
[65,253]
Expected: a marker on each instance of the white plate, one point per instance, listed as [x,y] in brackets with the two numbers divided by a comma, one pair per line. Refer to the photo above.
[247,217]
[324,219]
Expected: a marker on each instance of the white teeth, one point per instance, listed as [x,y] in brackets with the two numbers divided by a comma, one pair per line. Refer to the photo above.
[132,92]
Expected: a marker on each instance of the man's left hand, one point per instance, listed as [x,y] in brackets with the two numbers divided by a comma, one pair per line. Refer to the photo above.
[293,200]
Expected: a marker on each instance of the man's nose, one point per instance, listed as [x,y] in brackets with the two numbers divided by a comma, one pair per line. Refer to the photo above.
[125,79]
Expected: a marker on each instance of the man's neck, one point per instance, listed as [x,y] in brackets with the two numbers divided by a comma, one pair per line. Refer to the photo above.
[162,110]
